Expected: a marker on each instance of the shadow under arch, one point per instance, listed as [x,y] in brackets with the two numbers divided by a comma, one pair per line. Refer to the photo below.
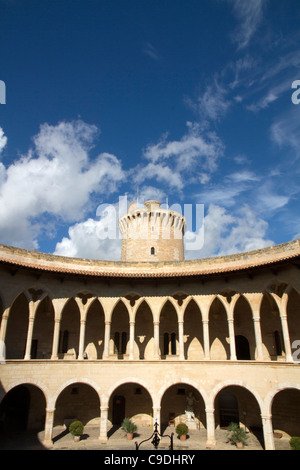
[144,331]
[22,417]
[179,398]
[130,398]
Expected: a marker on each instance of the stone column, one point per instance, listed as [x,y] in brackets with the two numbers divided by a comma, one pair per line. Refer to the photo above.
[54,355]
[156,340]
[231,339]
[49,427]
[103,423]
[210,427]
[106,340]
[131,339]
[3,335]
[30,330]
[81,338]
[205,324]
[258,338]
[286,335]
[181,340]
[268,432]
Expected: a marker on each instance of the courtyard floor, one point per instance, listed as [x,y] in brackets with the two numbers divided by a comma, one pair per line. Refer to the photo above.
[62,440]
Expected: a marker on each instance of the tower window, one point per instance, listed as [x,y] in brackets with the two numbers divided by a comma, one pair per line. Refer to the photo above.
[152,250]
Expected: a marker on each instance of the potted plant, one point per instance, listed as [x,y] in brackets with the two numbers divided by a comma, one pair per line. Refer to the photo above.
[182,430]
[76,430]
[129,427]
[237,435]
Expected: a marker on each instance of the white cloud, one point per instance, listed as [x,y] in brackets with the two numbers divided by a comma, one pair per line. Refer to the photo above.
[249,15]
[213,103]
[193,158]
[227,233]
[3,140]
[57,178]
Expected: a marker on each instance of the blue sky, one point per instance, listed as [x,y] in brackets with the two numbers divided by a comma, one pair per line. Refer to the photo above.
[188,102]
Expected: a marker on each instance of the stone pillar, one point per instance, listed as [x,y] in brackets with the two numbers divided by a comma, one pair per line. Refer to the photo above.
[54,355]
[181,340]
[131,339]
[30,331]
[106,339]
[3,335]
[103,423]
[286,335]
[231,339]
[210,427]
[268,432]
[205,324]
[49,427]
[81,339]
[156,340]
[258,338]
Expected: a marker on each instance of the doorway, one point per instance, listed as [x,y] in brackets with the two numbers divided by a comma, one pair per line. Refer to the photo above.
[118,409]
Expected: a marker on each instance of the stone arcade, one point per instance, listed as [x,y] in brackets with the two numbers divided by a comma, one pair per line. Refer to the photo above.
[101,340]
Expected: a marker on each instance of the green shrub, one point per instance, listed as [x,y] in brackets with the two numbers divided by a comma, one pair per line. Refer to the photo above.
[295,443]
[182,429]
[236,434]
[128,425]
[76,428]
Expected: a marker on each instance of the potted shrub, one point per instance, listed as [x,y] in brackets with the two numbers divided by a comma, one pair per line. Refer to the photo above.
[182,430]
[295,443]
[76,430]
[129,427]
[237,435]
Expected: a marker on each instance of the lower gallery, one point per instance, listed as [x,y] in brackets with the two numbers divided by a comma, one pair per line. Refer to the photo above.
[99,341]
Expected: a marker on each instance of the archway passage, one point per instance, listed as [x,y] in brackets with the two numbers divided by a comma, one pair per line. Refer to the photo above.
[130,400]
[78,401]
[22,416]
[286,413]
[238,405]
[183,403]
[17,327]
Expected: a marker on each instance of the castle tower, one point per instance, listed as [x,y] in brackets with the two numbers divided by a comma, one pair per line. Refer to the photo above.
[152,233]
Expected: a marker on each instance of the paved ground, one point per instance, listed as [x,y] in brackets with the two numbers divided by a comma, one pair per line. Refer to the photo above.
[62,440]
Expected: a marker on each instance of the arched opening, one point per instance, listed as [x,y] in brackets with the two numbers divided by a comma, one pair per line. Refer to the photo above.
[293,309]
[41,346]
[119,331]
[94,333]
[244,330]
[168,331]
[218,331]
[242,348]
[78,401]
[286,413]
[22,414]
[193,332]
[270,322]
[69,331]
[144,343]
[183,403]
[236,404]
[130,400]
[17,327]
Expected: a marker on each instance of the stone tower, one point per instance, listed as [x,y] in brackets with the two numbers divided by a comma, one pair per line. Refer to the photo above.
[152,233]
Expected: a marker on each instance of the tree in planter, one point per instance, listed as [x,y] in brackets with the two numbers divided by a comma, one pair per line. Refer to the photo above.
[182,430]
[237,435]
[76,429]
[129,427]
